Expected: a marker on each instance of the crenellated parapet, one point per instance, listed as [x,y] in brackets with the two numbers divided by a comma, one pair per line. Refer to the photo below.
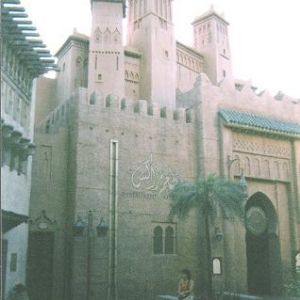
[98,104]
[246,87]
[91,108]
[244,97]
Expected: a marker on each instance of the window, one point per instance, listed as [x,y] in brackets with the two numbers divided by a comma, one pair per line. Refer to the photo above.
[224,73]
[169,240]
[47,130]
[158,240]
[98,35]
[164,239]
[78,61]
[99,77]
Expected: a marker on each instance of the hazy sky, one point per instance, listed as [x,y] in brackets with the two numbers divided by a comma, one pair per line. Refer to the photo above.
[264,34]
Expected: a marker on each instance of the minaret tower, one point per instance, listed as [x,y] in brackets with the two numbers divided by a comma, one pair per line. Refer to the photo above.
[150,30]
[106,53]
[211,39]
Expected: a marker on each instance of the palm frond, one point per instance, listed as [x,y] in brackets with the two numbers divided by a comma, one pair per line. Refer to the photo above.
[208,194]
[184,198]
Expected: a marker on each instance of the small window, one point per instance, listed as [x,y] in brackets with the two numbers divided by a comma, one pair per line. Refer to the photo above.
[166,54]
[224,73]
[164,239]
[99,77]
[47,130]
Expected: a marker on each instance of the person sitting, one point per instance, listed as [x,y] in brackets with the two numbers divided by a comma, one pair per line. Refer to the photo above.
[186,286]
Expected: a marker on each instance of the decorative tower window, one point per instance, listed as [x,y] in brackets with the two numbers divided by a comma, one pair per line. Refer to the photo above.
[107,36]
[98,35]
[116,36]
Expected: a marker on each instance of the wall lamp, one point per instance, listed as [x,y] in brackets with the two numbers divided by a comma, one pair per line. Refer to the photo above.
[6,131]
[26,148]
[218,234]
[79,227]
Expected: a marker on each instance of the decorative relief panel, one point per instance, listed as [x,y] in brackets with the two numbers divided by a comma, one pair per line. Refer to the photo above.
[189,61]
[261,167]
[263,147]
[106,36]
[42,222]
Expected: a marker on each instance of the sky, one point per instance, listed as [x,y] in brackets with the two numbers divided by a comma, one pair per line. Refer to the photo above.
[264,34]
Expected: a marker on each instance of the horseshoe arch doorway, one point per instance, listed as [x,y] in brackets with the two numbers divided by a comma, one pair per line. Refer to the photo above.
[262,246]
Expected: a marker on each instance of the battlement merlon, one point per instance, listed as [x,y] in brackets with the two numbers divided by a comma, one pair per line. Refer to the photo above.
[114,1]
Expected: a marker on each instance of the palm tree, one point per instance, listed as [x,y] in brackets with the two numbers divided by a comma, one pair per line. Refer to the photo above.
[209,195]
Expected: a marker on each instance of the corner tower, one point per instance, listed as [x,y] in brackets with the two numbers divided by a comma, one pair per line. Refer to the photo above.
[211,39]
[106,53]
[151,30]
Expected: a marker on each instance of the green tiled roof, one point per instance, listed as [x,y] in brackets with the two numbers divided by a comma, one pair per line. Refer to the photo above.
[251,121]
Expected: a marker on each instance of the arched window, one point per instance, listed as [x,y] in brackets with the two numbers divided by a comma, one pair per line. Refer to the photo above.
[131,76]
[116,36]
[78,61]
[169,240]
[98,35]
[107,36]
[164,238]
[158,240]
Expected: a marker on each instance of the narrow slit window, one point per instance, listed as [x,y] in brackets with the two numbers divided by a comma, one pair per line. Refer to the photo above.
[96,62]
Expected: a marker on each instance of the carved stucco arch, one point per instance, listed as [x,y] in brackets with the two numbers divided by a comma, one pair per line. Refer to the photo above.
[261,200]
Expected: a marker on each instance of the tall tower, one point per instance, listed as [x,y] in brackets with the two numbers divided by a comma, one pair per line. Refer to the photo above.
[211,39]
[106,53]
[151,30]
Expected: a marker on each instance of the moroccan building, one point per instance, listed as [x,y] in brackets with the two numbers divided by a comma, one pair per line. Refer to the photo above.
[24,57]
[120,126]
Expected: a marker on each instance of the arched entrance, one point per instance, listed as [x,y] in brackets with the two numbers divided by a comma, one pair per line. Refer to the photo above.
[262,244]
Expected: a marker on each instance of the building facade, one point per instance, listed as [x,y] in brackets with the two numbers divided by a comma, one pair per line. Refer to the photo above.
[120,126]
[23,58]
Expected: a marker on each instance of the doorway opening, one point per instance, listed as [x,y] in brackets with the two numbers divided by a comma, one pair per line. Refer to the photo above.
[262,246]
[40,265]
